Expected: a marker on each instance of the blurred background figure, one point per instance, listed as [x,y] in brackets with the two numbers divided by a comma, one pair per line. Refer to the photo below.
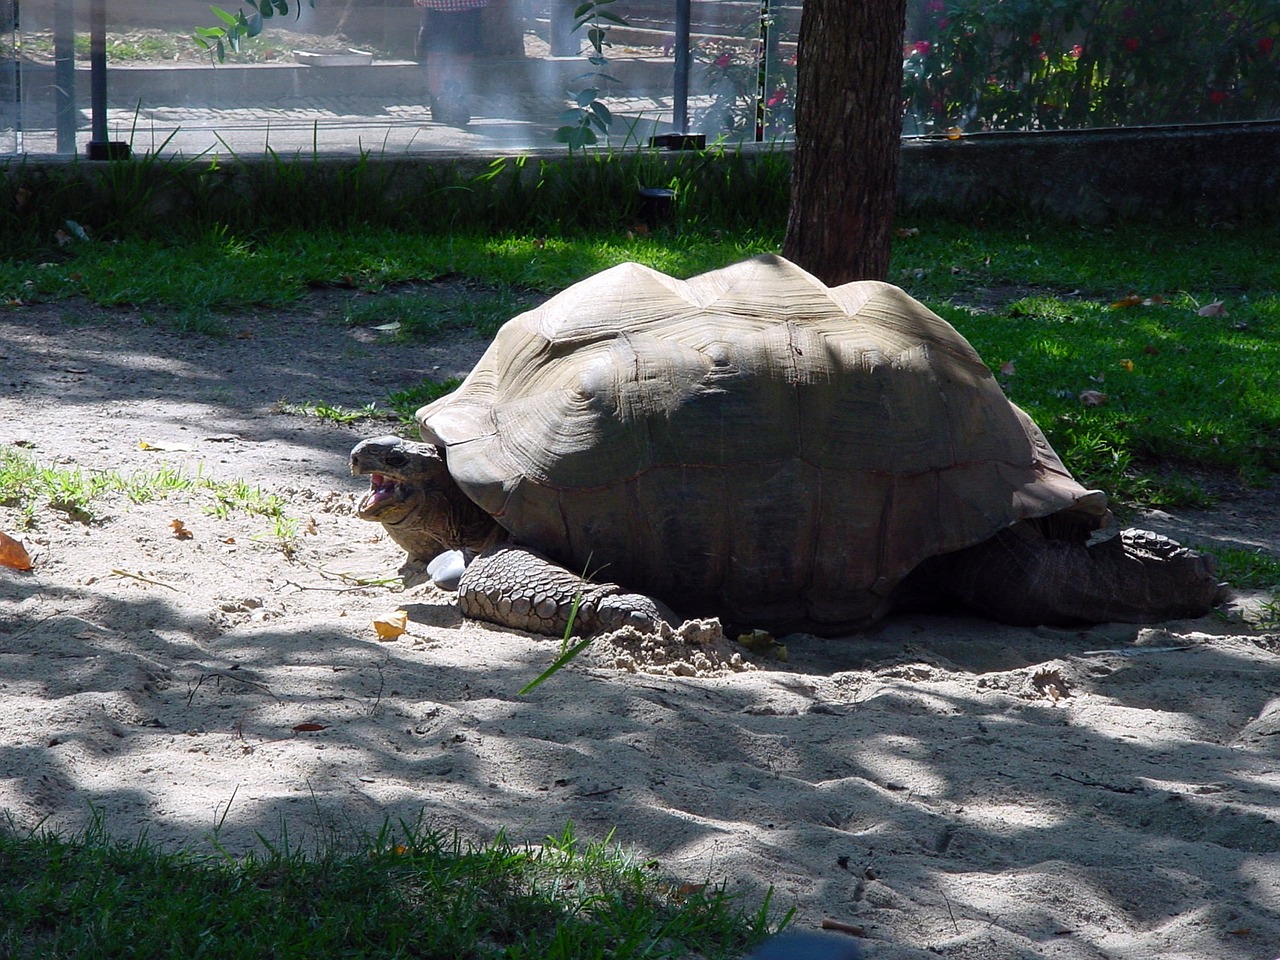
[449,34]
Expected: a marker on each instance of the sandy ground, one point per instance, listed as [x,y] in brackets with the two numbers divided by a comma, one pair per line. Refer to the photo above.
[953,787]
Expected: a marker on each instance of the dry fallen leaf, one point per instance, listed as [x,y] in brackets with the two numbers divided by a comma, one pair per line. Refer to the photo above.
[954,133]
[180,530]
[1137,300]
[1008,368]
[312,527]
[390,627]
[1051,684]
[908,231]
[1215,309]
[1093,398]
[308,727]
[13,554]
[1126,365]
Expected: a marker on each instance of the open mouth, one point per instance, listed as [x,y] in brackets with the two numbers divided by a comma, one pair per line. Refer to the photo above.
[384,491]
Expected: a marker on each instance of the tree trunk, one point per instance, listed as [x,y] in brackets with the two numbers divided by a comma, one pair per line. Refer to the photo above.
[848,138]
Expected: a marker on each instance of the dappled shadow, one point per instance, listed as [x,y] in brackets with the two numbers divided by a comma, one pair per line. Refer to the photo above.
[67,361]
[926,778]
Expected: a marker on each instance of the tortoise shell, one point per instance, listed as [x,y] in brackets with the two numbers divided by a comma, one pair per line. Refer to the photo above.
[748,443]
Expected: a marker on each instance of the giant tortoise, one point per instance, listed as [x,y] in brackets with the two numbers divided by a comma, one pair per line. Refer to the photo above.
[753,445]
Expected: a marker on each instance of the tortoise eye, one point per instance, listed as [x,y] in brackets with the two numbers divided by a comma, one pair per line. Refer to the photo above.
[395,458]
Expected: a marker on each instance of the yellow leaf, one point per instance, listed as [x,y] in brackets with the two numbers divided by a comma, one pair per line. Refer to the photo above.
[954,133]
[390,627]
[1127,365]
[165,446]
[180,530]
[13,554]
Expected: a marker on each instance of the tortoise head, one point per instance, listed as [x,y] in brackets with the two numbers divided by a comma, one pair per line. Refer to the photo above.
[413,496]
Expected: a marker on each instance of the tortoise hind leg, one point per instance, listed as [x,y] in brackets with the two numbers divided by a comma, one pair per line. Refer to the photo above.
[516,587]
[1020,576]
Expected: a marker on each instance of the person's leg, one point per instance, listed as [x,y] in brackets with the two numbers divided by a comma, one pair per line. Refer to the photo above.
[456,37]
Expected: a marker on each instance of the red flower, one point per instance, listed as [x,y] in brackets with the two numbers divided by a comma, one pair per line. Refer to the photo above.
[923,47]
[1265,45]
[943,24]
[723,60]
[777,98]
[1076,52]
[1217,97]
[935,6]
[1035,39]
[1131,44]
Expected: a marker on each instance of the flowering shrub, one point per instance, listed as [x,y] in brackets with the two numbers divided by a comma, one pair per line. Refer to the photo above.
[732,72]
[1052,64]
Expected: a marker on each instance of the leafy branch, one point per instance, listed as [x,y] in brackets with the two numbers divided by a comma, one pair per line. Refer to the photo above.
[588,114]
[240,25]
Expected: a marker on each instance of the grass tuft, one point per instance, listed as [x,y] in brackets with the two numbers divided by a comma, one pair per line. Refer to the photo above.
[405,892]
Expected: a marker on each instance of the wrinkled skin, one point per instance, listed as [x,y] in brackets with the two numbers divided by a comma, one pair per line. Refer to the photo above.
[1031,573]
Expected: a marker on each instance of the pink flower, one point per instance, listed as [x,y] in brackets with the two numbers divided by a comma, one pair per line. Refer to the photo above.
[943,24]
[1218,97]
[1076,52]
[723,60]
[935,6]
[1035,39]
[1265,45]
[777,98]
[922,47]
[1131,44]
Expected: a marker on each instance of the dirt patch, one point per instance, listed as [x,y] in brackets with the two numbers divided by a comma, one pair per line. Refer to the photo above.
[952,786]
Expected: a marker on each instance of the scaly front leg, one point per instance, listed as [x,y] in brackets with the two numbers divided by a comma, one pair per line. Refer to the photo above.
[516,587]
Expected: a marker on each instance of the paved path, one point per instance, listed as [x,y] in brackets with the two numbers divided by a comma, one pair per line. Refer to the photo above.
[337,125]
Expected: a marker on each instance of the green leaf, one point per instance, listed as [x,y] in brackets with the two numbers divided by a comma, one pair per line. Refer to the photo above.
[602,117]
[227,18]
[587,96]
[555,668]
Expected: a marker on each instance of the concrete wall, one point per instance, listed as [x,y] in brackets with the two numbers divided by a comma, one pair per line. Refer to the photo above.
[1200,172]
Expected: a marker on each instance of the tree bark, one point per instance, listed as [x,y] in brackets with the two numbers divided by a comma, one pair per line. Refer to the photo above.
[848,138]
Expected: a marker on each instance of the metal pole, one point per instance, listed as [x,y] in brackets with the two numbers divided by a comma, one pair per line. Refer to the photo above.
[680,93]
[64,74]
[99,147]
[98,72]
[762,72]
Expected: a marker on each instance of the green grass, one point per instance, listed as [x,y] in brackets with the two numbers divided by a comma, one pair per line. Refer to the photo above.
[402,893]
[1182,390]
[30,487]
